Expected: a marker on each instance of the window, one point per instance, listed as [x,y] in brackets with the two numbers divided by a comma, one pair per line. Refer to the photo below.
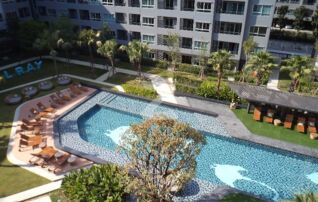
[150,39]
[24,12]
[108,2]
[7,1]
[72,13]
[42,11]
[202,27]
[149,55]
[51,12]
[148,3]
[236,8]
[262,10]
[258,31]
[204,7]
[95,16]
[84,14]
[232,47]
[109,17]
[200,45]
[148,21]
[122,35]
[228,28]
[63,13]
[1,17]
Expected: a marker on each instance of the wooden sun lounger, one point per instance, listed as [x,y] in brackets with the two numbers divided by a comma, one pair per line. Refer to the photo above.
[269,118]
[46,154]
[82,88]
[312,125]
[288,121]
[32,142]
[301,125]
[58,163]
[75,90]
[62,96]
[42,107]
[31,123]
[257,114]
[57,100]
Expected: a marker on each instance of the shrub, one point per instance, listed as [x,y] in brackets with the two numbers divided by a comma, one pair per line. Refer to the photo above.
[208,89]
[162,64]
[186,79]
[140,91]
[193,69]
[98,183]
[185,89]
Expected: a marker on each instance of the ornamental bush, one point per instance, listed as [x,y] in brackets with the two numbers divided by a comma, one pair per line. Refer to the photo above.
[140,91]
[162,64]
[208,89]
[193,69]
[98,183]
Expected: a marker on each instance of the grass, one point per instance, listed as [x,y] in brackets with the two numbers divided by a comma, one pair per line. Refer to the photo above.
[235,197]
[49,70]
[275,132]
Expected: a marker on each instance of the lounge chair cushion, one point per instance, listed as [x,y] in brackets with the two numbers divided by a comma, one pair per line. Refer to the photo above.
[312,124]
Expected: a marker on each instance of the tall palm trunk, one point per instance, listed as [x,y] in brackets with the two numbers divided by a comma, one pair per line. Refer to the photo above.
[91,59]
[219,80]
[55,67]
[112,63]
[202,72]
[139,69]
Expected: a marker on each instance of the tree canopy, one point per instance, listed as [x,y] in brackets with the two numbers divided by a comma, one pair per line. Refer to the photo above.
[163,152]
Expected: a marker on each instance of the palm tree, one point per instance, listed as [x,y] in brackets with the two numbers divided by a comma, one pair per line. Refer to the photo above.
[135,51]
[220,61]
[66,46]
[300,67]
[248,46]
[307,197]
[88,37]
[108,50]
[173,43]
[48,41]
[202,62]
[260,64]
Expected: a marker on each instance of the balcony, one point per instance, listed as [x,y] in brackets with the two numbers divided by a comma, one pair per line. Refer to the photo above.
[167,4]
[134,19]
[186,24]
[120,3]
[167,22]
[187,5]
[133,3]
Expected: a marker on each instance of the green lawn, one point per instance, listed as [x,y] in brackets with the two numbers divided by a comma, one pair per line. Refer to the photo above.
[48,70]
[238,197]
[275,132]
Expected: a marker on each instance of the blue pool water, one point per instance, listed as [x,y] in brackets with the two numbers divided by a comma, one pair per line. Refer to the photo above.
[267,172]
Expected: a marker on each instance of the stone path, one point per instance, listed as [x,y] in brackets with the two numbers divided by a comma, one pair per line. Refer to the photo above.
[273,79]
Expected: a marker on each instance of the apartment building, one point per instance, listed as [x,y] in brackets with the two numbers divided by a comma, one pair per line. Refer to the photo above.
[201,24]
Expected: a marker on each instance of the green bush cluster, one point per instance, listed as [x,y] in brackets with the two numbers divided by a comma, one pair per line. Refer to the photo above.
[162,64]
[140,91]
[292,36]
[186,79]
[208,89]
[98,183]
[193,69]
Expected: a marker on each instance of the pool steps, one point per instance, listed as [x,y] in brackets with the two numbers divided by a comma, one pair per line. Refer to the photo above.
[107,99]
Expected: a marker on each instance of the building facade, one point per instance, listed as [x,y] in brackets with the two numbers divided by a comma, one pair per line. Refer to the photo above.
[294,4]
[201,24]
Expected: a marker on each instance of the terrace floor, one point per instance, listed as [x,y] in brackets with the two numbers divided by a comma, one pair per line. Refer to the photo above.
[22,157]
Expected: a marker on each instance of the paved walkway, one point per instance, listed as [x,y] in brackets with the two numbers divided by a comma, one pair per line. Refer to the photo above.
[273,79]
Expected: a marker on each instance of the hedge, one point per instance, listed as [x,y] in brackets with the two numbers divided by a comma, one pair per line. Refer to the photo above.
[140,91]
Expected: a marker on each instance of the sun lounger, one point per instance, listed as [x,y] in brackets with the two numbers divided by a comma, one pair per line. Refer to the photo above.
[288,121]
[269,118]
[301,124]
[57,164]
[82,88]
[31,123]
[32,142]
[312,125]
[257,114]
[75,90]
[313,136]
[42,107]
[46,154]
[57,100]
[29,127]
[62,96]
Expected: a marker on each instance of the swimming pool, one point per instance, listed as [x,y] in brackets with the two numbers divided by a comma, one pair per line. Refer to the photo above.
[269,173]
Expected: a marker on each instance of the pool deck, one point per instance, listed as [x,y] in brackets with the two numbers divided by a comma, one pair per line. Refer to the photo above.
[22,158]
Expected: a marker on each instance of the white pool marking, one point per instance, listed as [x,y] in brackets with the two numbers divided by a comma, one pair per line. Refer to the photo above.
[228,174]
[117,133]
[313,177]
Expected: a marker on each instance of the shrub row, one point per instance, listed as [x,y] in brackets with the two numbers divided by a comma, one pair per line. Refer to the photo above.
[208,89]
[140,91]
[186,79]
[292,36]
[193,69]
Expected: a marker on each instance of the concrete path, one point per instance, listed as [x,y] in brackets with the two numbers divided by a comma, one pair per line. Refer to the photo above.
[32,193]
[273,79]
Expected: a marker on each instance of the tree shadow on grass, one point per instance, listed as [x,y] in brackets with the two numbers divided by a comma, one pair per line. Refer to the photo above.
[3,148]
